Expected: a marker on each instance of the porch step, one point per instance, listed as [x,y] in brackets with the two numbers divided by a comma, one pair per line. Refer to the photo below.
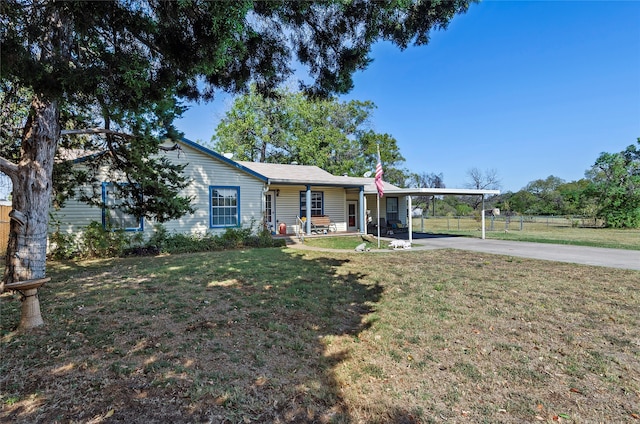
[288,239]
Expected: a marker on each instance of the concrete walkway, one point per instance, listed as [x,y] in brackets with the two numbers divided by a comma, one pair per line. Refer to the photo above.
[613,258]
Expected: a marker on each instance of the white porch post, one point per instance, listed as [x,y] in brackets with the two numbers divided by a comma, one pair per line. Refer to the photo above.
[265,218]
[410,219]
[308,210]
[483,217]
[363,224]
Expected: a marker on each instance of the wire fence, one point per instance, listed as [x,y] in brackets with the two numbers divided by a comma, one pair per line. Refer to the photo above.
[503,223]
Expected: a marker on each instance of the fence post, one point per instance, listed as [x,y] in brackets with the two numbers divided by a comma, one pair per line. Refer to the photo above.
[521,222]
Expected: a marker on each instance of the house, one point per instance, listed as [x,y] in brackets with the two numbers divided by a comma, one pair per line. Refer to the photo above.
[345,200]
[285,198]
[230,194]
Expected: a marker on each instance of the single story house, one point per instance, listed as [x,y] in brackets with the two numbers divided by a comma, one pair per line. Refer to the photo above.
[285,198]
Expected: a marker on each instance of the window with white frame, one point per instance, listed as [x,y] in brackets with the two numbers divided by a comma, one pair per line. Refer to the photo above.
[225,207]
[112,216]
[317,203]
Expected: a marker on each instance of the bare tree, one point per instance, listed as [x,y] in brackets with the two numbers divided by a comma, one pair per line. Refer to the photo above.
[487,180]
[479,180]
[427,180]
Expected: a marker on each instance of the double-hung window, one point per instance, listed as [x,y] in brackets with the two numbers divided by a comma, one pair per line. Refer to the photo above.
[225,206]
[317,203]
[392,209]
[112,216]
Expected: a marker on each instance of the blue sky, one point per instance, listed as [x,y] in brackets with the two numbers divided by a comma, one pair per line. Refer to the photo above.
[530,89]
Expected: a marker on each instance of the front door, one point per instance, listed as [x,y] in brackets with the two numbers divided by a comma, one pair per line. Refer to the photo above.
[352,216]
[270,211]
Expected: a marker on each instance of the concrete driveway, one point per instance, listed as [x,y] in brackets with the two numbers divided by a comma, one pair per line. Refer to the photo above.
[613,258]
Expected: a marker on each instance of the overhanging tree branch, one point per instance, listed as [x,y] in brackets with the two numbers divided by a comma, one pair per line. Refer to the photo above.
[95,131]
[8,167]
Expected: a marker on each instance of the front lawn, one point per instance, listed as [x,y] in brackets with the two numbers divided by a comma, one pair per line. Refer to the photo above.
[277,335]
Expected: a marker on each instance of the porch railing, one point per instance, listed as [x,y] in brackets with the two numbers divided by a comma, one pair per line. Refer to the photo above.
[300,224]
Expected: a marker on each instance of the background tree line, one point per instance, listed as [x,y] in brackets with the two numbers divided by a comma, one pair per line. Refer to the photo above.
[610,191]
[289,127]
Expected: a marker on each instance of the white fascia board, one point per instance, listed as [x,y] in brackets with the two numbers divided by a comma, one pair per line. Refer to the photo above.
[438,192]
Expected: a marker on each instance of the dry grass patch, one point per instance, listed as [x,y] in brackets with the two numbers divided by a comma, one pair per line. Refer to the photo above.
[269,335]
[468,338]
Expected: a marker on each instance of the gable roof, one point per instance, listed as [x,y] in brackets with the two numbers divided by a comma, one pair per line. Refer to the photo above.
[221,158]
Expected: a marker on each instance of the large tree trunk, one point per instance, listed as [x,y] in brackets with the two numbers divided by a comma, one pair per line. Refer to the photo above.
[32,189]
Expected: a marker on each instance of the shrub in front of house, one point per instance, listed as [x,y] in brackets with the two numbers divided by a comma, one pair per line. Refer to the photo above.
[98,242]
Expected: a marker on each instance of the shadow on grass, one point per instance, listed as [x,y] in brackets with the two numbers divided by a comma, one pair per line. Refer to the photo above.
[237,336]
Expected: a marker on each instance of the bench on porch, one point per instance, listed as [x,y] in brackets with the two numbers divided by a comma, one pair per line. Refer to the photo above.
[322,223]
[397,226]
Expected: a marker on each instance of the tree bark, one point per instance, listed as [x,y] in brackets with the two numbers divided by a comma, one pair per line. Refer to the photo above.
[32,190]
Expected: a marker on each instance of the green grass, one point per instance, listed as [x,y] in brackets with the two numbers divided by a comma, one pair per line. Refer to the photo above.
[280,335]
[342,242]
[539,232]
[594,237]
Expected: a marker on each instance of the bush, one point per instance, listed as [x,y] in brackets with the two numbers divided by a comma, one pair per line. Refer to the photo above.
[100,242]
[62,245]
[232,238]
[159,238]
[103,243]
[235,237]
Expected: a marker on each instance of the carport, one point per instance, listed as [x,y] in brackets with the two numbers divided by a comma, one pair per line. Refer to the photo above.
[409,192]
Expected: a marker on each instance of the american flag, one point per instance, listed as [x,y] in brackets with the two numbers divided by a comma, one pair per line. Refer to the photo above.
[379,172]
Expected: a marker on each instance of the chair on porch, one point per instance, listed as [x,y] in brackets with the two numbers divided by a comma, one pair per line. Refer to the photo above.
[372,228]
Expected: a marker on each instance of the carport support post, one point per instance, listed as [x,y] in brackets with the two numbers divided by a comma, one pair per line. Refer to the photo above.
[363,224]
[483,217]
[410,219]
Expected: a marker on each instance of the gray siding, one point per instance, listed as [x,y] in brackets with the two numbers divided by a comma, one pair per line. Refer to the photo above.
[204,171]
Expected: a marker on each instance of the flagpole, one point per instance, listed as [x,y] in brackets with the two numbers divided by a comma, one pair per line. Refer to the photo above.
[378,214]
